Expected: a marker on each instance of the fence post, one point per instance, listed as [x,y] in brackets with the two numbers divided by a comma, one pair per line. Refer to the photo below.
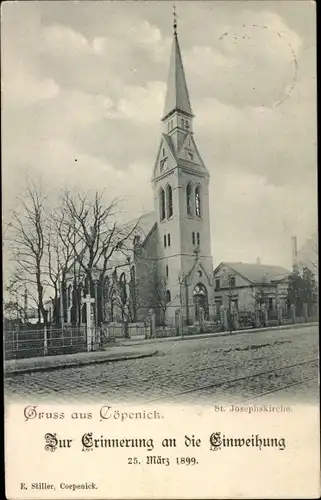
[152,323]
[201,319]
[223,315]
[279,309]
[98,338]
[45,341]
[305,312]
[236,318]
[292,308]
[17,339]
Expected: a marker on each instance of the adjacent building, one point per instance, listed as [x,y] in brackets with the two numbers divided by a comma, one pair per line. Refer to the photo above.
[248,285]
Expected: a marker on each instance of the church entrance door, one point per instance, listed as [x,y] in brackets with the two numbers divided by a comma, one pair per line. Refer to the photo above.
[200,301]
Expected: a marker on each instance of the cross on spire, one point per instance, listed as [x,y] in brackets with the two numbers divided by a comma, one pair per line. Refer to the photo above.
[175,16]
[177,97]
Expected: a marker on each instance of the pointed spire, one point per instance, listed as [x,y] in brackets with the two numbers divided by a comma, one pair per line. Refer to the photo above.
[177,98]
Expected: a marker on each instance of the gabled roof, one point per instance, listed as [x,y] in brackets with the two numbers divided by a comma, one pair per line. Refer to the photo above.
[177,97]
[169,142]
[198,264]
[193,166]
[145,224]
[257,273]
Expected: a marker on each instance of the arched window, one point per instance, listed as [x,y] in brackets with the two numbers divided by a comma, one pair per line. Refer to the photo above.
[169,196]
[166,271]
[182,122]
[162,204]
[193,238]
[123,290]
[200,300]
[189,199]
[198,201]
[168,296]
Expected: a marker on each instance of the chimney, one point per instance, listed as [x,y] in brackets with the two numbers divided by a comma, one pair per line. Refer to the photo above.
[258,261]
[294,251]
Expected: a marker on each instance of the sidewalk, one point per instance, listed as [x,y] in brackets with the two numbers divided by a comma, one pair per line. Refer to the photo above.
[196,336]
[110,354]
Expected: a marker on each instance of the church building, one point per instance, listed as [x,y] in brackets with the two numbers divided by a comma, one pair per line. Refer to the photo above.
[178,241]
[170,267]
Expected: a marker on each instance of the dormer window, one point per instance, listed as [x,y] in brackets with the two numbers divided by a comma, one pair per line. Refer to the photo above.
[190,156]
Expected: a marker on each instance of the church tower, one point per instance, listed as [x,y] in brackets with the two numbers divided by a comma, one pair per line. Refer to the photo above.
[181,195]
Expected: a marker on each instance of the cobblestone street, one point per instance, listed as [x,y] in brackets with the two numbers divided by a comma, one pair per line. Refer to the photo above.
[254,366]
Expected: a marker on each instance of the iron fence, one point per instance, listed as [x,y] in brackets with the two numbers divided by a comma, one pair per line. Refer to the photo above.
[43,342]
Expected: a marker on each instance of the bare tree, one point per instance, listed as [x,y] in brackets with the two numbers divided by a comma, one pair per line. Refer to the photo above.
[26,232]
[14,311]
[96,236]
[162,299]
[81,237]
[313,263]
[59,255]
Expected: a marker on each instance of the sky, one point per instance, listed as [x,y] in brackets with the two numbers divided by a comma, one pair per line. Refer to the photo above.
[83,90]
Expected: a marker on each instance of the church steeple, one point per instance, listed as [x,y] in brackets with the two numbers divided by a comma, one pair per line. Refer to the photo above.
[177,97]
[181,195]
